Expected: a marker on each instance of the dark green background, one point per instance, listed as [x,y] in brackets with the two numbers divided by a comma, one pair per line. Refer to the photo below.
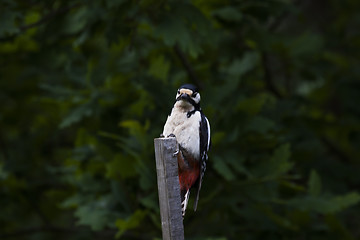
[85,87]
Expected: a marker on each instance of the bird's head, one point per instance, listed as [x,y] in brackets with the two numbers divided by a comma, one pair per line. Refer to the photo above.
[188,95]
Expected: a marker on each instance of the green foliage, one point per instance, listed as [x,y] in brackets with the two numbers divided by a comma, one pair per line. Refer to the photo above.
[87,85]
[314,184]
[133,221]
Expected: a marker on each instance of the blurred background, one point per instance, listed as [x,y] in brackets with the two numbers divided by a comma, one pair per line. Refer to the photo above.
[85,87]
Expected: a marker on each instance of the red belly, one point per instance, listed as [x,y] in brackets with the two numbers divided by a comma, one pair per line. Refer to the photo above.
[188,173]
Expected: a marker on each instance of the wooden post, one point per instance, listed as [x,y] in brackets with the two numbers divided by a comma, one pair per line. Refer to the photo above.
[169,188]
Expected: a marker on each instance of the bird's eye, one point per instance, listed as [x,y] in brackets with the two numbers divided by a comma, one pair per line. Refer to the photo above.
[178,92]
[194,94]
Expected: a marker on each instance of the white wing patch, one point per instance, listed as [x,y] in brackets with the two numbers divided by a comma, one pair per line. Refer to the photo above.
[185,202]
[208,128]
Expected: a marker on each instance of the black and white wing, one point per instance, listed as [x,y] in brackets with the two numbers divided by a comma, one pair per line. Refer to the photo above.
[204,148]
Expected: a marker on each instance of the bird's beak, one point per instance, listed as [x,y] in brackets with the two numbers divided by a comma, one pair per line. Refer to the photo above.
[185,96]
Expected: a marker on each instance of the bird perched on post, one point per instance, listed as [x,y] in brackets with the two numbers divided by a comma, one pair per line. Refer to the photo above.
[191,128]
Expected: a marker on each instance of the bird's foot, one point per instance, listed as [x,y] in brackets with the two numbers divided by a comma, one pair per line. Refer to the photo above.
[176,153]
[171,135]
[162,135]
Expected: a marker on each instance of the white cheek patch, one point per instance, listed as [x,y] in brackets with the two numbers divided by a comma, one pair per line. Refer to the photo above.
[197,98]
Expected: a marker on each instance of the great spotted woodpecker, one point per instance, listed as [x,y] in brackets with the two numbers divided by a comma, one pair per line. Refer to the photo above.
[191,128]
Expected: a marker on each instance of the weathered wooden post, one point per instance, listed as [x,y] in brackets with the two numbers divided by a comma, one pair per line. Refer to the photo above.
[169,188]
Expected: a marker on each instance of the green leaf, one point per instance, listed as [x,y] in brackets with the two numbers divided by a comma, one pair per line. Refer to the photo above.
[241,66]
[223,169]
[76,21]
[345,201]
[32,17]
[277,219]
[77,115]
[306,44]
[186,26]
[307,87]
[326,205]
[130,223]
[8,24]
[217,137]
[260,124]
[121,165]
[336,225]
[174,31]
[72,201]
[279,160]
[95,213]
[236,163]
[151,201]
[277,165]
[229,14]
[135,128]
[96,219]
[3,173]
[314,184]
[159,68]
[252,105]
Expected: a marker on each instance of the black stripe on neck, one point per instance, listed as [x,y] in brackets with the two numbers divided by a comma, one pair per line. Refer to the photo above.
[190,113]
[192,102]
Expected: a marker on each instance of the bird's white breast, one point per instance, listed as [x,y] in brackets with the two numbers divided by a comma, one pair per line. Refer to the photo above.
[186,130]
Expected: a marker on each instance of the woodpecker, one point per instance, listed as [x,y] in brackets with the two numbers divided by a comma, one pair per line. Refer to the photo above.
[191,128]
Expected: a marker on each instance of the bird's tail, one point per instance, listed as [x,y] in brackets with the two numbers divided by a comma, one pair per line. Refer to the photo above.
[184,200]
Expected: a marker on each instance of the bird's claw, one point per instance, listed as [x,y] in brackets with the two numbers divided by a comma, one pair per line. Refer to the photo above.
[162,135]
[171,135]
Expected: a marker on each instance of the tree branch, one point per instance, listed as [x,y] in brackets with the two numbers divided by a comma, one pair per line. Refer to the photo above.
[189,69]
[273,25]
[3,147]
[270,86]
[335,150]
[43,20]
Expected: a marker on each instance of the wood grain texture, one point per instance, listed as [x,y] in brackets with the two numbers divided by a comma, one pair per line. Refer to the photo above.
[169,188]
